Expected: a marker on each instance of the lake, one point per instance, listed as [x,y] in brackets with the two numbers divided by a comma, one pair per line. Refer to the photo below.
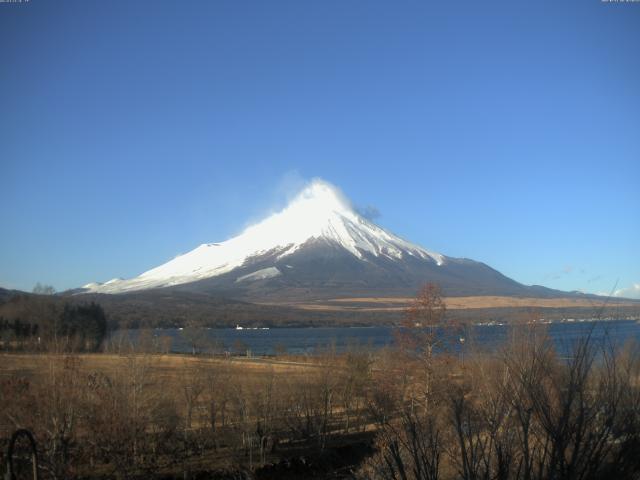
[313,340]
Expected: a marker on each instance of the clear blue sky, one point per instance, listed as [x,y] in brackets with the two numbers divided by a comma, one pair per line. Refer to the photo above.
[507,132]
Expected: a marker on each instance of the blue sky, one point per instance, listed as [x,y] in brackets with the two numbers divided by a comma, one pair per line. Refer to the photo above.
[507,132]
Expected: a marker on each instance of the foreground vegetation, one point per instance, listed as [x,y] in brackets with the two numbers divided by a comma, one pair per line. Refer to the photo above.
[422,410]
[520,412]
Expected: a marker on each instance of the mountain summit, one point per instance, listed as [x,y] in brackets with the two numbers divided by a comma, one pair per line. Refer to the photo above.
[316,247]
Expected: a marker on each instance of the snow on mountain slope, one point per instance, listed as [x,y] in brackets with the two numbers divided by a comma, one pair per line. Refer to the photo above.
[319,211]
[261,274]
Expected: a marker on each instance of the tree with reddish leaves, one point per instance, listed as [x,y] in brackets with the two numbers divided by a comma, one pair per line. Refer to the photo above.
[426,313]
[428,307]
[419,334]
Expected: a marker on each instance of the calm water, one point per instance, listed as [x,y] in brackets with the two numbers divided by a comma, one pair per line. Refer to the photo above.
[313,340]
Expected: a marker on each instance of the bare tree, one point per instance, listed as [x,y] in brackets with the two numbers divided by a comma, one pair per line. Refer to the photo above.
[43,289]
[420,333]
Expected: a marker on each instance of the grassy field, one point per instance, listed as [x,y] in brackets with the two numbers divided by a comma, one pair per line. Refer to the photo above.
[213,414]
[399,304]
[169,366]
[358,415]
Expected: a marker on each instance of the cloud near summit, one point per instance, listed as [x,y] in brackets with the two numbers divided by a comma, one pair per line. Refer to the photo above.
[630,292]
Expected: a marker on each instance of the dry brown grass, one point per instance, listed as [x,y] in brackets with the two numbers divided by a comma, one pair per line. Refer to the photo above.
[395,304]
[169,367]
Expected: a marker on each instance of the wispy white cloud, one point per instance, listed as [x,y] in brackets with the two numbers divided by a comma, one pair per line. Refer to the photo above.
[630,292]
[289,186]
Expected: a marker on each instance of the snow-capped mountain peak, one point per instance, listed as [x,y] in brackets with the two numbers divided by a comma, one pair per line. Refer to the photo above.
[319,212]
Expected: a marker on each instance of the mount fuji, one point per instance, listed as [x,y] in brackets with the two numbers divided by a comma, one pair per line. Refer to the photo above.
[317,247]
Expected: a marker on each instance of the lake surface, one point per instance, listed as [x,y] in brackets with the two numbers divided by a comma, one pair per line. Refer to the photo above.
[314,340]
